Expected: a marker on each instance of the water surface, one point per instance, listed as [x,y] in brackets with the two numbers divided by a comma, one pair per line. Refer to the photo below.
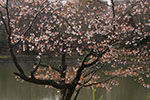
[10,89]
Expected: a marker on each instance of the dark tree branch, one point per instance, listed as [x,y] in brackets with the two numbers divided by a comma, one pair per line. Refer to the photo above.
[63,71]
[78,91]
[93,71]
[98,57]
[16,61]
[21,73]
[8,18]
[104,81]
[113,8]
[85,58]
[92,63]
[65,20]
[8,31]
[79,72]
[114,15]
[83,66]
[43,82]
[32,22]
[82,85]
[3,20]
[69,24]
[63,65]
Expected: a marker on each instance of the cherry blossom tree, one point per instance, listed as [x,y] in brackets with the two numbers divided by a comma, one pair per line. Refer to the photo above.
[97,34]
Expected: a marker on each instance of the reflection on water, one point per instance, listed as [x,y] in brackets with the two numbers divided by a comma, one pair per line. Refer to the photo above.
[10,89]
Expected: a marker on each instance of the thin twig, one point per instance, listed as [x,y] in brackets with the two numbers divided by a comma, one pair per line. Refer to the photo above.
[43,82]
[54,68]
[104,81]
[120,18]
[93,71]
[114,15]
[32,22]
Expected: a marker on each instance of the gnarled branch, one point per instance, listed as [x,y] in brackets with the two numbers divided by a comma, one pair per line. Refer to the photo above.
[43,82]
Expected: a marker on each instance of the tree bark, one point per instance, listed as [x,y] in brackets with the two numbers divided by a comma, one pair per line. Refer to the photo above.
[66,94]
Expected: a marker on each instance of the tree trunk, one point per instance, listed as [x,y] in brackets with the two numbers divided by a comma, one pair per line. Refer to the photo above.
[62,95]
[66,94]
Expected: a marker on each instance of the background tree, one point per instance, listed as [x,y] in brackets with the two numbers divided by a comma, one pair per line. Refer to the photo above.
[97,35]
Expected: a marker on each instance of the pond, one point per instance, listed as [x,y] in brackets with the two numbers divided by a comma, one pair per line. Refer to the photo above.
[10,89]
